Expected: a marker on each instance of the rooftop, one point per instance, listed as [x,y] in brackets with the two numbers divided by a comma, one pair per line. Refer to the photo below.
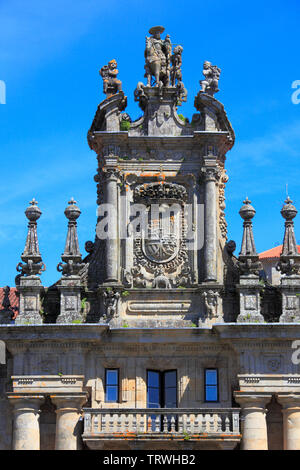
[13,300]
[274,253]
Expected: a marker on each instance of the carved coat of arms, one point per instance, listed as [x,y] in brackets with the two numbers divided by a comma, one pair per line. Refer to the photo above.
[160,247]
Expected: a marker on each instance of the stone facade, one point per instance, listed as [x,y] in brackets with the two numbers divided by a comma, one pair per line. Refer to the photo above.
[159,292]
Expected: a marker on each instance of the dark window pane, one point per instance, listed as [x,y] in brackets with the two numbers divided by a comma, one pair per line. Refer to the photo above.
[111,377]
[111,393]
[211,393]
[170,392]
[153,398]
[211,377]
[170,379]
[153,379]
[170,398]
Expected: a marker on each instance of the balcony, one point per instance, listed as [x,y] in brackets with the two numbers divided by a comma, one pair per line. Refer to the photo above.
[108,428]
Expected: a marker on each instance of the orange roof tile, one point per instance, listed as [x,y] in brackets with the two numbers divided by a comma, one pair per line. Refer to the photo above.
[273,253]
[13,298]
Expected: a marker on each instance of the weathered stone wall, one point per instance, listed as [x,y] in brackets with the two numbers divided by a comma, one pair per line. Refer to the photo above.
[252,360]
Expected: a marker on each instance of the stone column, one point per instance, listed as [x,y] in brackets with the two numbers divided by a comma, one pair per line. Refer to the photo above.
[68,412]
[112,242]
[291,420]
[210,220]
[26,427]
[254,425]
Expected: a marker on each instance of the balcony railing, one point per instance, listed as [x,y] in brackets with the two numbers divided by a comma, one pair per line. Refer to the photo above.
[142,423]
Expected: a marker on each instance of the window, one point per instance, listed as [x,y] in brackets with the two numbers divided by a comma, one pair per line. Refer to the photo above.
[161,389]
[211,385]
[112,385]
[161,393]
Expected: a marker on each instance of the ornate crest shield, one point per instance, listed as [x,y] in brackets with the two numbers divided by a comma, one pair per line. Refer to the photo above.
[160,247]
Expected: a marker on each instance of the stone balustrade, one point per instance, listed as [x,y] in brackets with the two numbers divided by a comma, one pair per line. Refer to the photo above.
[145,422]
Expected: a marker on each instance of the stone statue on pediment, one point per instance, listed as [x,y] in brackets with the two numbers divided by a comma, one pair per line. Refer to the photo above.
[212,75]
[109,73]
[176,62]
[158,57]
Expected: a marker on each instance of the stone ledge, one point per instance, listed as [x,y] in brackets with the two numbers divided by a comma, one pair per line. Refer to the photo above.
[47,383]
[269,383]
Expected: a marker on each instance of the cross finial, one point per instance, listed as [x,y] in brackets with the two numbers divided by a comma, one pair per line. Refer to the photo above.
[72,201]
[288,200]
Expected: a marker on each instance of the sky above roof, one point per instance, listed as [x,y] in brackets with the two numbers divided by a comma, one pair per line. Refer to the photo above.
[50,55]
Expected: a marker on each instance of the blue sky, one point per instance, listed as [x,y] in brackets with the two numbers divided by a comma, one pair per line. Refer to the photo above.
[50,55]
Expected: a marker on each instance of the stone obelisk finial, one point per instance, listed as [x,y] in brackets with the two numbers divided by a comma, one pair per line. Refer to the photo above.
[29,283]
[249,267]
[289,265]
[70,283]
[71,257]
[289,259]
[31,256]
[248,261]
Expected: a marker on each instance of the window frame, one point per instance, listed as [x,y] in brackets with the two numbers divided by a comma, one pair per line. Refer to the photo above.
[108,385]
[208,385]
[162,387]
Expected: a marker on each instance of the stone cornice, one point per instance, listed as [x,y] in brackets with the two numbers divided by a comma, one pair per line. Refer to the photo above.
[198,138]
[91,332]
[258,332]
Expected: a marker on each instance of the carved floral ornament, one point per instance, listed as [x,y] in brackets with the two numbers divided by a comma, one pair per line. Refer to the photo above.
[156,191]
[212,173]
[222,221]
[112,174]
